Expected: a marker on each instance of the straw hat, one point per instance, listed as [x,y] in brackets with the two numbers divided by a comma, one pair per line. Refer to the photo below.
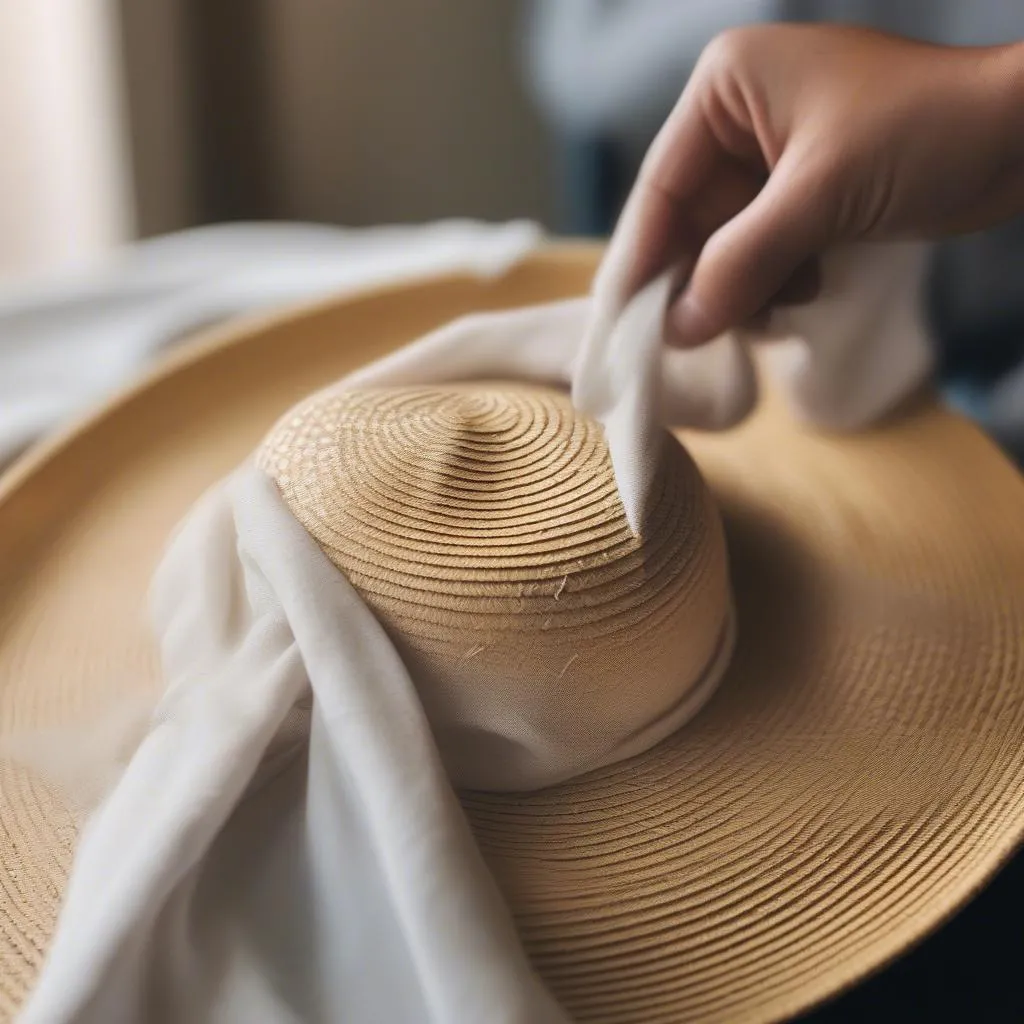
[858,774]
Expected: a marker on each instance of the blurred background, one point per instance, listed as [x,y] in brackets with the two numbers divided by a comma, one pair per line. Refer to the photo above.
[125,119]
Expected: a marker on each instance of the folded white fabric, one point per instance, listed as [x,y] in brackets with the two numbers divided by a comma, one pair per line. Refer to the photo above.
[67,343]
[264,859]
[306,859]
[842,362]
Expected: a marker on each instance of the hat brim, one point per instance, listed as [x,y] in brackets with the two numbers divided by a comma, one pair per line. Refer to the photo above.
[858,776]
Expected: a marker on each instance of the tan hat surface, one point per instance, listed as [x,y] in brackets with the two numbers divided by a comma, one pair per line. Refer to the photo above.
[857,776]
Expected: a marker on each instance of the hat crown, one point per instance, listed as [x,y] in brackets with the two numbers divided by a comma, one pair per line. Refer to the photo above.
[483,526]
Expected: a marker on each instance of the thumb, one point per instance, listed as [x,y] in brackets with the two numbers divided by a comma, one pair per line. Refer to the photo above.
[751,257]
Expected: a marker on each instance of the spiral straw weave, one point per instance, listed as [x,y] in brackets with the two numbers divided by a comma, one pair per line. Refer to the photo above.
[483,526]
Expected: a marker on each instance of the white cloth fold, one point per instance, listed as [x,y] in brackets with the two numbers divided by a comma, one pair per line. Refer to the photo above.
[842,362]
[338,885]
[264,857]
[67,343]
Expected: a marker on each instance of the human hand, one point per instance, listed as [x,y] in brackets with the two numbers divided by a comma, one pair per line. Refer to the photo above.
[789,139]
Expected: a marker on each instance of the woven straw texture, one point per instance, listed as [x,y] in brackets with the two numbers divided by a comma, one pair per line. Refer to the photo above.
[483,526]
[857,775]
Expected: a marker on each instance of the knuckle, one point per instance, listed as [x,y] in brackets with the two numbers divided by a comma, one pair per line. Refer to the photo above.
[729,50]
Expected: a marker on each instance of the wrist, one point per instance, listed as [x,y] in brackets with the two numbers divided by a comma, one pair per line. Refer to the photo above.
[1006,79]
[1002,76]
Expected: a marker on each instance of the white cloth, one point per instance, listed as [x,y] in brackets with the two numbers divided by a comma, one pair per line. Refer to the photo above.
[843,361]
[66,344]
[267,858]
[345,887]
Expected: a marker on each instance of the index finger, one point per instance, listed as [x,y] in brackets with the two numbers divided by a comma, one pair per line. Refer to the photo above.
[651,233]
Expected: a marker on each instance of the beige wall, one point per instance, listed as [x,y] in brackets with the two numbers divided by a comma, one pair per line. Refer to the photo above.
[404,110]
[64,184]
[376,111]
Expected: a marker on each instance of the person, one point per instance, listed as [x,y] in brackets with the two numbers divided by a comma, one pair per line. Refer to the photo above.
[789,139]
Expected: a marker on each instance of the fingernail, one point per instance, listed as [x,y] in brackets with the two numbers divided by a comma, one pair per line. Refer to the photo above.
[688,324]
